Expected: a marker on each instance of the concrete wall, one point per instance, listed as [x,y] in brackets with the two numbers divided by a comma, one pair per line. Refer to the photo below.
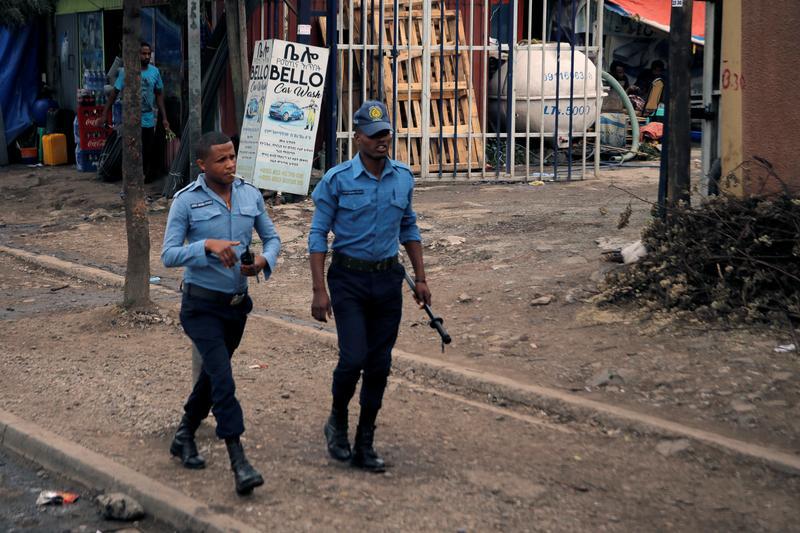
[766,83]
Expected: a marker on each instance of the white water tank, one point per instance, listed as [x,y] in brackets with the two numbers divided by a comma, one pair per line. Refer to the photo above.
[535,102]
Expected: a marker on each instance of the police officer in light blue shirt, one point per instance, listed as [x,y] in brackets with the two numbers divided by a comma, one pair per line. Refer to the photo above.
[367,203]
[209,231]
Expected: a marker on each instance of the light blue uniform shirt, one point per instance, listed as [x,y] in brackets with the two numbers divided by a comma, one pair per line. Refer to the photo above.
[197,214]
[151,84]
[368,216]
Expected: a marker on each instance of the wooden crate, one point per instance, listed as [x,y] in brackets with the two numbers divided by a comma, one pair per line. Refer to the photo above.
[453,110]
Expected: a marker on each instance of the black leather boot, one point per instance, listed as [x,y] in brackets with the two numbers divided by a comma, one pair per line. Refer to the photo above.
[336,435]
[247,478]
[364,455]
[184,447]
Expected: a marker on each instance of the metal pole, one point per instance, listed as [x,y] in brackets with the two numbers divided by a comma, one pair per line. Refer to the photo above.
[304,20]
[556,109]
[679,102]
[499,92]
[511,122]
[598,80]
[456,99]
[395,29]
[380,49]
[427,23]
[441,86]
[571,87]
[331,80]
[371,54]
[709,123]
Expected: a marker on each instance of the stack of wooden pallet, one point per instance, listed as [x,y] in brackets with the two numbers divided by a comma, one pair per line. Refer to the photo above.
[453,111]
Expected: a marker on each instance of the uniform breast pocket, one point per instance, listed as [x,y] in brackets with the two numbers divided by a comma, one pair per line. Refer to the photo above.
[399,200]
[247,211]
[397,205]
[243,221]
[205,218]
[354,205]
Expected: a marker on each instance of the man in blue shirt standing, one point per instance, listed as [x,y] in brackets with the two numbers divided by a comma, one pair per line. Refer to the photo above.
[152,95]
[210,226]
[367,203]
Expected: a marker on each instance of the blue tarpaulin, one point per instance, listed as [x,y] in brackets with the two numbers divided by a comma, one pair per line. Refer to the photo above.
[18,77]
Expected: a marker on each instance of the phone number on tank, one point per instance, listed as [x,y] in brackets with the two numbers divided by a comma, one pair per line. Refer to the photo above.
[578,75]
[574,110]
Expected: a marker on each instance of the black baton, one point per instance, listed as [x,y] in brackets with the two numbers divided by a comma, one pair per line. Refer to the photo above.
[436,322]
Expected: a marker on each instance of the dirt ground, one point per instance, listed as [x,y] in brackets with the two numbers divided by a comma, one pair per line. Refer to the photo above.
[73,363]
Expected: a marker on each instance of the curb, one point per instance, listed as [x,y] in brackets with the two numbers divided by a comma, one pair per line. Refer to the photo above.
[536,396]
[99,472]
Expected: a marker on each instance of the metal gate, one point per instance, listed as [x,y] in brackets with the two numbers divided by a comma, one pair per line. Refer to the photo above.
[451,73]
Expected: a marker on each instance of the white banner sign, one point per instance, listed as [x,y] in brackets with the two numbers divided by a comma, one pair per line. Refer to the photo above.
[279,129]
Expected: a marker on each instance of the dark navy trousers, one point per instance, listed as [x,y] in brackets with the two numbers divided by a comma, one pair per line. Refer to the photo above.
[367,307]
[216,330]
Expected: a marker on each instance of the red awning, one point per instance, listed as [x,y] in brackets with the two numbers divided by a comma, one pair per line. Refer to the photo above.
[656,13]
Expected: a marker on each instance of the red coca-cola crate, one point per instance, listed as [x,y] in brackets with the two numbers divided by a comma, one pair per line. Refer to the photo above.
[90,127]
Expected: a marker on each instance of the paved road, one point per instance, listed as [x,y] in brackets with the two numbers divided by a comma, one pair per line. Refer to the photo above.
[20,484]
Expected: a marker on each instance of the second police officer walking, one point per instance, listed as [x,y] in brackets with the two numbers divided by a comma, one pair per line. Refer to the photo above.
[210,225]
[367,203]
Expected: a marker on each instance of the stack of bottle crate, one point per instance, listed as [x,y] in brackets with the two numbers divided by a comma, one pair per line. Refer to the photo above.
[90,131]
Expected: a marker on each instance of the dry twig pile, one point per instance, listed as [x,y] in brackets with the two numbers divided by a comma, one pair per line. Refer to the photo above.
[734,259]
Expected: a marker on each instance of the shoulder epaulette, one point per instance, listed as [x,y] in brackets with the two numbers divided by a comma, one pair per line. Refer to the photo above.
[338,168]
[241,179]
[402,166]
[187,188]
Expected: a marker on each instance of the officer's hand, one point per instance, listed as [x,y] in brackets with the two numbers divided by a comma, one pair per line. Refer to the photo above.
[321,306]
[224,250]
[422,294]
[252,270]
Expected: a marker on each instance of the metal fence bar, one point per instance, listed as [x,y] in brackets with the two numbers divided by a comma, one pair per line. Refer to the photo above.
[332,82]
[363,6]
[499,92]
[414,113]
[350,63]
[598,83]
[587,32]
[528,94]
[470,85]
[485,80]
[409,79]
[425,144]
[511,92]
[571,88]
[542,95]
[374,93]
[457,99]
[441,87]
[380,51]
[395,29]
[557,110]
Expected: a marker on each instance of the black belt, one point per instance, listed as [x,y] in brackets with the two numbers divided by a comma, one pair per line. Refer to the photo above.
[222,298]
[361,265]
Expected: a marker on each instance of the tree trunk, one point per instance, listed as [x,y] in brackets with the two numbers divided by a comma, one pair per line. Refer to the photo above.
[137,274]
[236,30]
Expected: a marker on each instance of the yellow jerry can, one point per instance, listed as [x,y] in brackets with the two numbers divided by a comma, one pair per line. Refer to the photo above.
[55,149]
